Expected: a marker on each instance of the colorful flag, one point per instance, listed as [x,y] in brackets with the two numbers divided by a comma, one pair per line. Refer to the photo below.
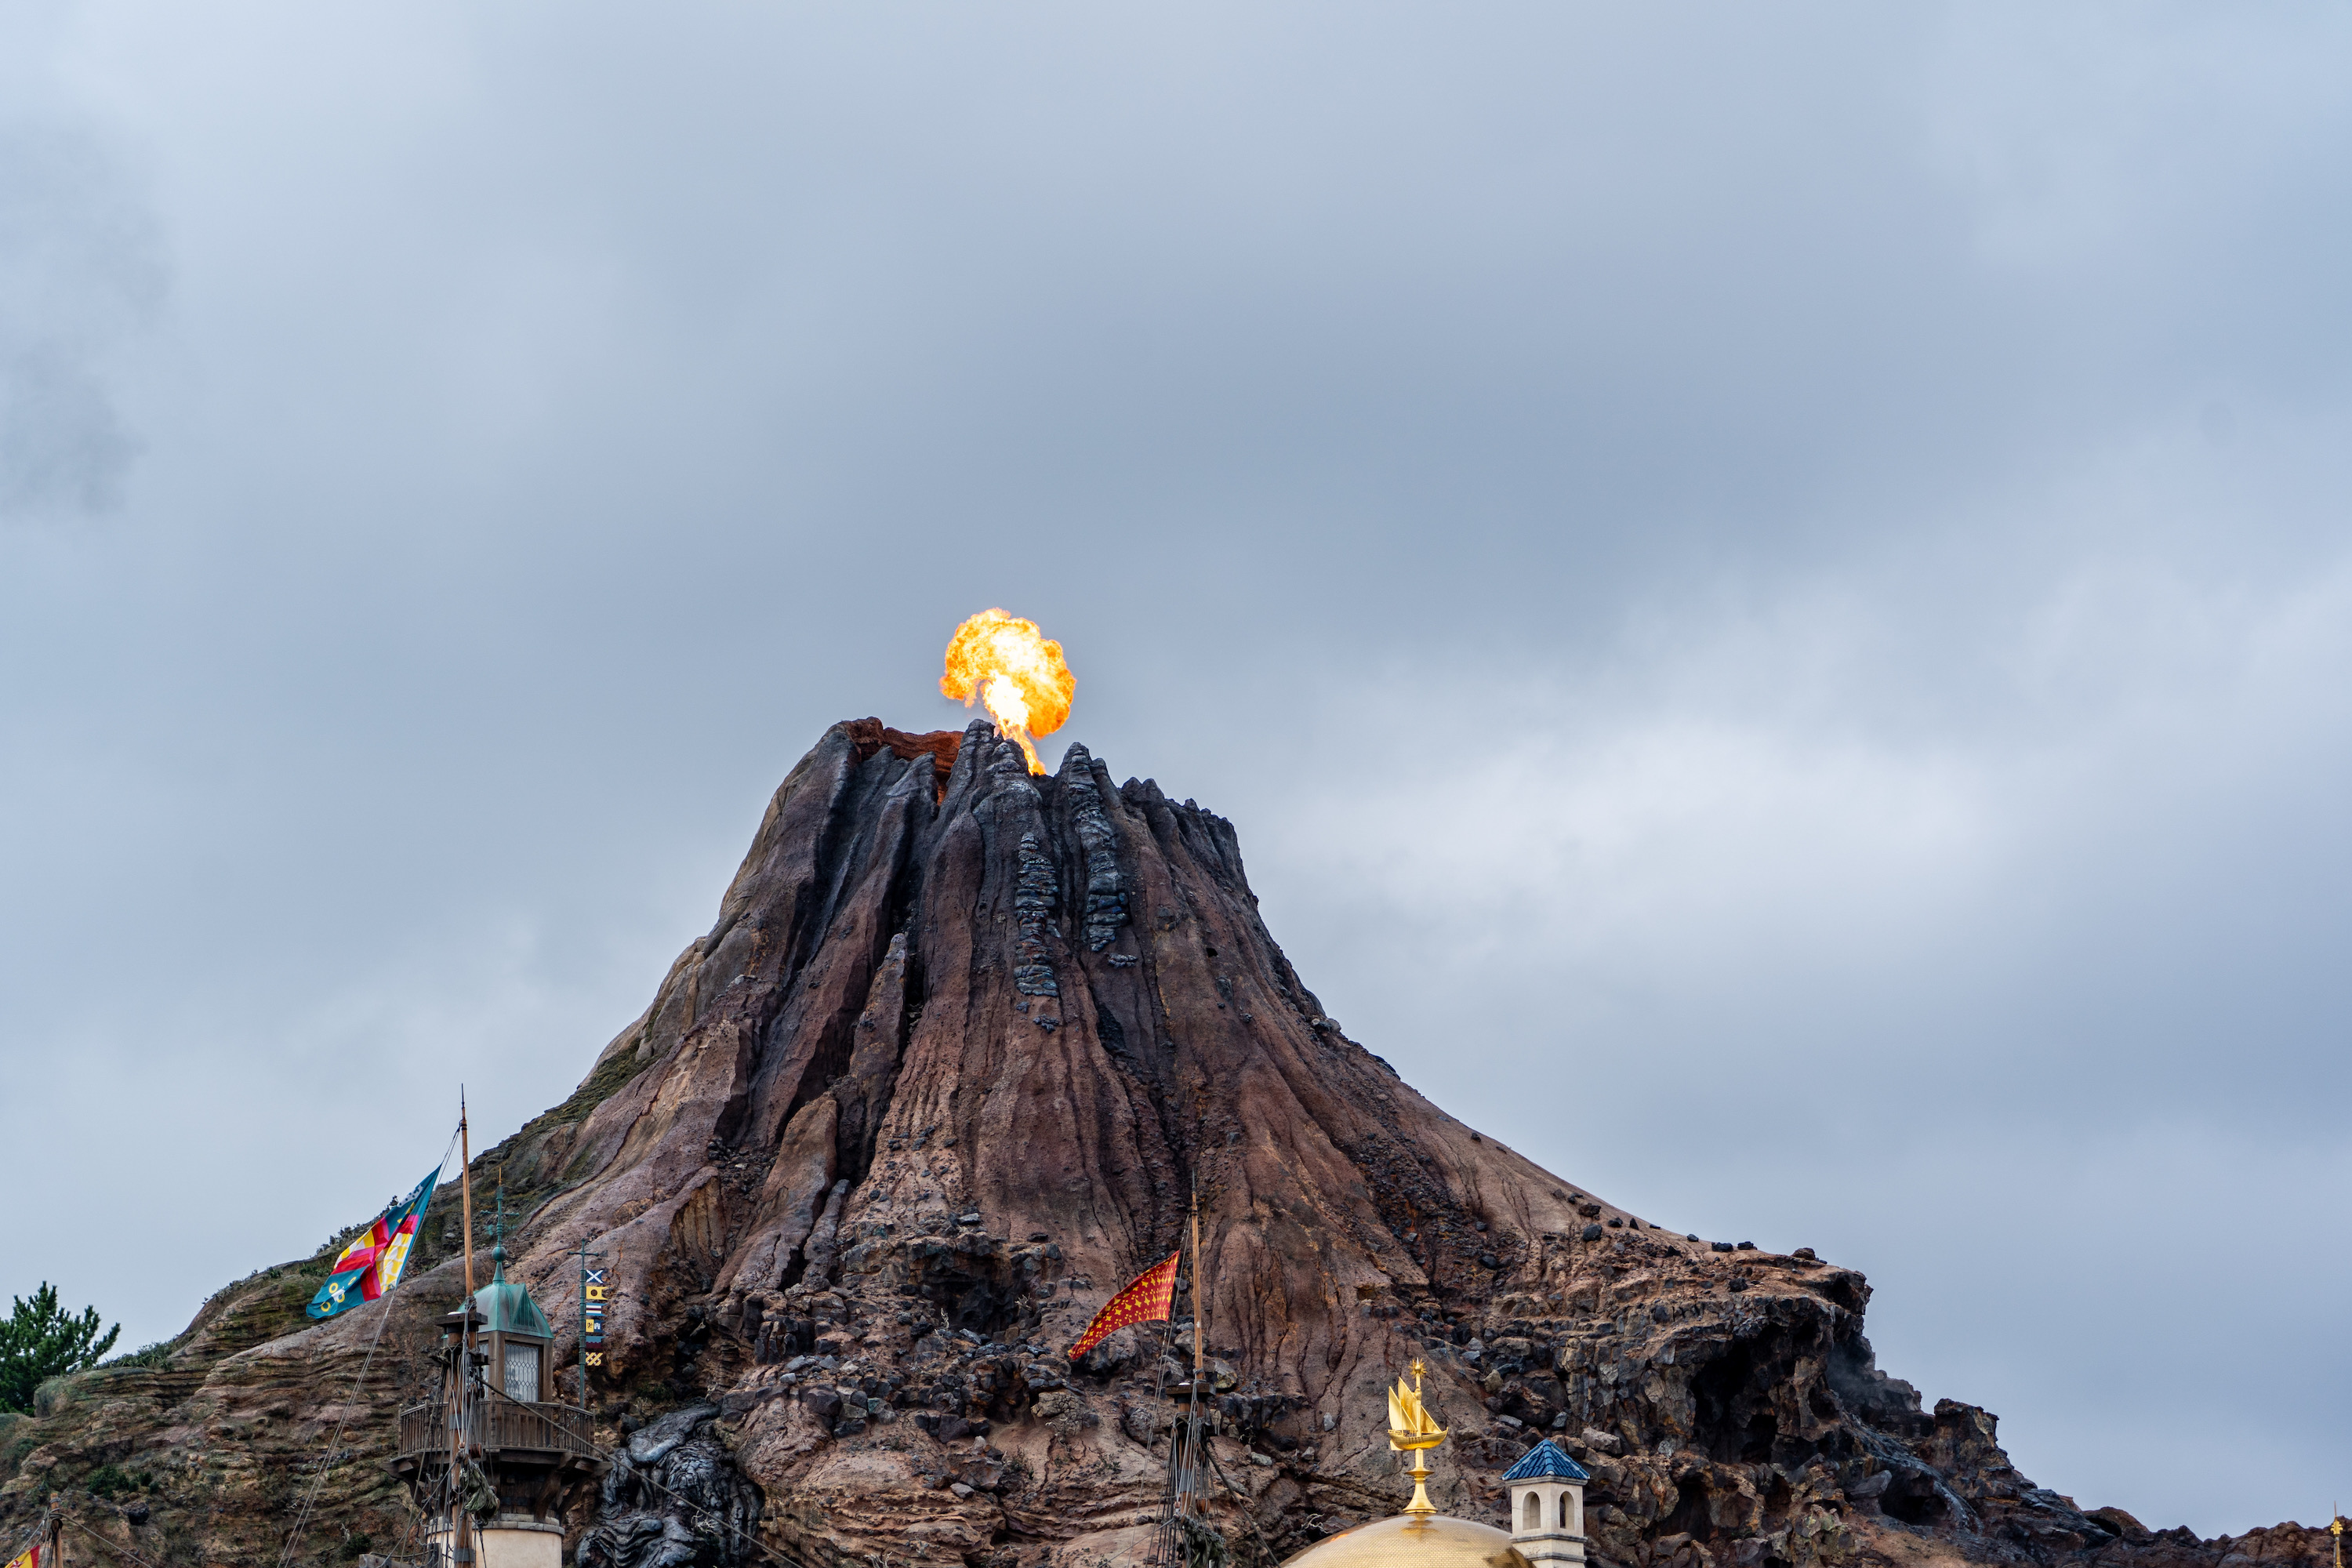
[595,1305]
[1145,1300]
[31,1559]
[372,1264]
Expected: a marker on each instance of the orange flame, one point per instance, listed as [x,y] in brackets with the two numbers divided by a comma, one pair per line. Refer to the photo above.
[1014,668]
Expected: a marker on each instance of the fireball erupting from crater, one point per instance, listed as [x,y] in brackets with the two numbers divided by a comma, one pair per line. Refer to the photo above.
[1008,665]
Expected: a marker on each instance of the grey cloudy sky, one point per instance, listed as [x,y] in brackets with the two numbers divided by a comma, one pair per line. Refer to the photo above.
[1769,590]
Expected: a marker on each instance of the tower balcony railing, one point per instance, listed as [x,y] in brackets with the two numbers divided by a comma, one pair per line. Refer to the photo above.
[492,1424]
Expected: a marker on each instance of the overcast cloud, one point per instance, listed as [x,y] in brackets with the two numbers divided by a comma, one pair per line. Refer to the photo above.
[1769,591]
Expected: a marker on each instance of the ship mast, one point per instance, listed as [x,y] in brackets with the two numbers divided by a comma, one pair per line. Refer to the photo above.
[462,1375]
[1199,1300]
[1180,1505]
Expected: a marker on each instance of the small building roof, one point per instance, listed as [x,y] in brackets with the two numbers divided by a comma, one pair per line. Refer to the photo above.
[505,1306]
[1545,1462]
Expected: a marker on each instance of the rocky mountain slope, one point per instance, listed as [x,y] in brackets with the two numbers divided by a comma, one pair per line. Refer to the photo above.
[948,1069]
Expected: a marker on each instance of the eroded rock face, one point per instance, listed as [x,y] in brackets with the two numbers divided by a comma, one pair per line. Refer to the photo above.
[943,1074]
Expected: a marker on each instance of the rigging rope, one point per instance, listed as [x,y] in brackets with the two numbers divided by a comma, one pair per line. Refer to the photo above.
[24,1543]
[302,1519]
[120,1551]
[1249,1515]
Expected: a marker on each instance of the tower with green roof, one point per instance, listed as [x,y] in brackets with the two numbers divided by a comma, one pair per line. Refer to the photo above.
[492,1449]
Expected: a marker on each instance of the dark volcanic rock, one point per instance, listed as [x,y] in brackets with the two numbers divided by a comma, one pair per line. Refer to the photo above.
[673,1498]
[939,1077]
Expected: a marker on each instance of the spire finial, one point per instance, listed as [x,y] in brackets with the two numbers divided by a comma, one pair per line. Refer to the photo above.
[498,1233]
[1412,1430]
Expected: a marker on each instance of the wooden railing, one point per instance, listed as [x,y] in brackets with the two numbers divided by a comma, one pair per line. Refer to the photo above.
[494,1423]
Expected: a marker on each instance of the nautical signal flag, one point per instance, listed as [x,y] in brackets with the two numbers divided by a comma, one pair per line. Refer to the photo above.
[372,1264]
[1145,1300]
[595,1305]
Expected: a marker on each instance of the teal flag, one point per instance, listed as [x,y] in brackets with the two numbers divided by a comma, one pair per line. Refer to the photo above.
[372,1264]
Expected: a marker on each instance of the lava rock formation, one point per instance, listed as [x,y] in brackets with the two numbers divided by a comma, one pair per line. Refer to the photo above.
[947,1070]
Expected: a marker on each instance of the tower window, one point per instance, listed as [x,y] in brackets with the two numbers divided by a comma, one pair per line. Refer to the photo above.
[1535,1510]
[522,1373]
[1564,1520]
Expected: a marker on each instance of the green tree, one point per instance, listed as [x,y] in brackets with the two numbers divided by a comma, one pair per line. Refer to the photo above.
[40,1340]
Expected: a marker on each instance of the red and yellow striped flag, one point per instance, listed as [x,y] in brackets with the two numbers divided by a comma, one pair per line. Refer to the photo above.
[1145,1300]
[31,1559]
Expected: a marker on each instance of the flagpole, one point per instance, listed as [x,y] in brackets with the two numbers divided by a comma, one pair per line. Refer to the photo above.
[584,1325]
[461,1548]
[1188,1475]
[1200,1297]
[466,1187]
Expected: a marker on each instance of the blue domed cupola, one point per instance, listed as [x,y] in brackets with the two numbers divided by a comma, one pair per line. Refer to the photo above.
[1548,1507]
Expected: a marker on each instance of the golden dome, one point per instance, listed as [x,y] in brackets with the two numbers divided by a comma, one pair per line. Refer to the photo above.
[1433,1541]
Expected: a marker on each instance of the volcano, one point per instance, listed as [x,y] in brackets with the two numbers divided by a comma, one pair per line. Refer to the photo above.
[952,1065]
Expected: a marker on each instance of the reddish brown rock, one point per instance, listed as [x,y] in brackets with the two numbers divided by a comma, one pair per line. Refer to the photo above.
[943,1074]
